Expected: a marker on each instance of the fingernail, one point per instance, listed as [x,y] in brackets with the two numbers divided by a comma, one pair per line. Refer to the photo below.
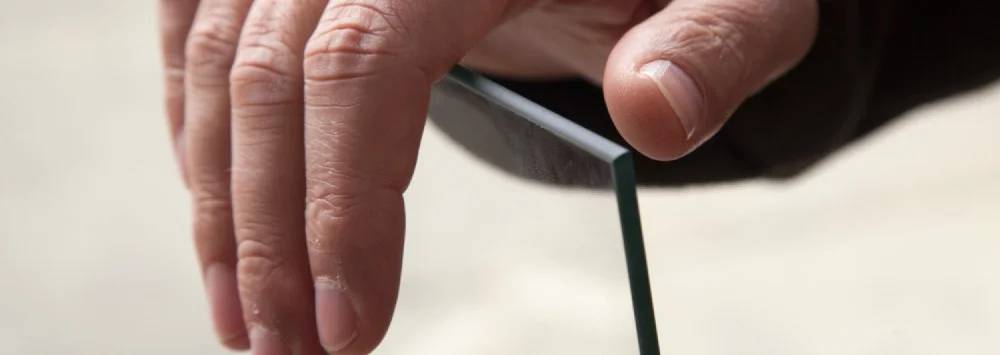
[335,316]
[679,90]
[237,342]
[266,342]
[224,300]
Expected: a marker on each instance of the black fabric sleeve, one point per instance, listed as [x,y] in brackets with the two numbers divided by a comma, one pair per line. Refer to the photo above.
[872,61]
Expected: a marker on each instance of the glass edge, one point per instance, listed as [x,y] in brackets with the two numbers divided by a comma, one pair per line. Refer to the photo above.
[643,311]
[563,128]
[622,166]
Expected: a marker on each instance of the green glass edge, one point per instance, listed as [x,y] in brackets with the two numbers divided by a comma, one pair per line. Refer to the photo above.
[635,255]
[623,170]
[567,130]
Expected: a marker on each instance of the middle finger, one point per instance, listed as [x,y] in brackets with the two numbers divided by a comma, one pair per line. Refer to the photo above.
[268,177]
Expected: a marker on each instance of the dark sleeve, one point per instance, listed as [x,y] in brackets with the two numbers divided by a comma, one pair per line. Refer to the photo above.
[872,61]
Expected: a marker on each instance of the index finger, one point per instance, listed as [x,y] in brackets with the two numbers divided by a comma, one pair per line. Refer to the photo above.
[368,72]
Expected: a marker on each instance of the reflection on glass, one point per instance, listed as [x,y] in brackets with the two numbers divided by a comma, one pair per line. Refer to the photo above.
[497,263]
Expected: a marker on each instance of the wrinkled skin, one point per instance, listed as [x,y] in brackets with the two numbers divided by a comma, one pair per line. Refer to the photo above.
[297,123]
[577,37]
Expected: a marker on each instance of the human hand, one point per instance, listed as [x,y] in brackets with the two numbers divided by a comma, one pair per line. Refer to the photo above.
[296,124]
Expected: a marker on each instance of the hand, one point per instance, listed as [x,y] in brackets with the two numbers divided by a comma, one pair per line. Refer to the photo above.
[297,125]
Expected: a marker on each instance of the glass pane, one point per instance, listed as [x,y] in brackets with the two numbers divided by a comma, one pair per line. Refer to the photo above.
[526,259]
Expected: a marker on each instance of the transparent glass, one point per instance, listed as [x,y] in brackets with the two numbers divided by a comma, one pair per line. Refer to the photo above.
[531,244]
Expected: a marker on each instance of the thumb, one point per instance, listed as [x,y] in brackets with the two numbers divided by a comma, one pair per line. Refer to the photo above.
[673,80]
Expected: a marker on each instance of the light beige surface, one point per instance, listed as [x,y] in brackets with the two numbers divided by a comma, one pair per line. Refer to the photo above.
[891,247]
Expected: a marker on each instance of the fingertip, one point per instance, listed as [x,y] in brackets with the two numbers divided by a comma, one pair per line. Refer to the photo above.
[223,294]
[239,342]
[673,80]
[356,261]
[336,319]
[265,341]
[657,107]
[354,318]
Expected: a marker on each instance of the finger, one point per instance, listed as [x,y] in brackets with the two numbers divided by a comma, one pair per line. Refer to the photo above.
[267,177]
[211,48]
[673,80]
[369,68]
[175,22]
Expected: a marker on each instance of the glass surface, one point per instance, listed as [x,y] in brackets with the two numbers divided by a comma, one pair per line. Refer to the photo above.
[482,276]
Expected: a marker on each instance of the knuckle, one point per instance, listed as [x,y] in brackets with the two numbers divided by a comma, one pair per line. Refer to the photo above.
[330,209]
[210,198]
[267,72]
[210,51]
[334,193]
[353,41]
[212,222]
[333,199]
[174,77]
[257,85]
[324,221]
[257,261]
[717,32]
[714,35]
[208,183]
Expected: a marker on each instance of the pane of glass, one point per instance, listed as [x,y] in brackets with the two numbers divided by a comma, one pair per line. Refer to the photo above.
[528,258]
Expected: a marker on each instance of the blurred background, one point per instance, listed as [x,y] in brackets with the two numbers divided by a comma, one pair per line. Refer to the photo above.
[890,247]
